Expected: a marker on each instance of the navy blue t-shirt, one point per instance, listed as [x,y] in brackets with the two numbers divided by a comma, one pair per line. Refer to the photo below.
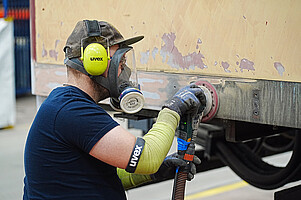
[57,161]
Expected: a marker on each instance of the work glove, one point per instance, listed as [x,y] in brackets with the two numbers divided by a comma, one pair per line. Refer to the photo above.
[188,100]
[168,168]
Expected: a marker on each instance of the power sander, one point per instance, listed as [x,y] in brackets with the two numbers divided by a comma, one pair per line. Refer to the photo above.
[187,131]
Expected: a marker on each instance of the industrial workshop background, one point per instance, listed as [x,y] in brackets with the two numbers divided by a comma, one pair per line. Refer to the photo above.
[18,11]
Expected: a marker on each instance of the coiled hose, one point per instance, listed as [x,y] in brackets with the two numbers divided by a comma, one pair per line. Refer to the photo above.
[255,171]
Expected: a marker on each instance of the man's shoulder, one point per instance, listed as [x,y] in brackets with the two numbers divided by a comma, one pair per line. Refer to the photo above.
[65,95]
[72,99]
[68,92]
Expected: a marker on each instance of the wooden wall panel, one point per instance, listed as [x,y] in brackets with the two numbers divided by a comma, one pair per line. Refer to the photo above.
[256,39]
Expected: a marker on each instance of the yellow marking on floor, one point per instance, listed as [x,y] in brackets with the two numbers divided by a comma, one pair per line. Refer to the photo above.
[7,127]
[217,190]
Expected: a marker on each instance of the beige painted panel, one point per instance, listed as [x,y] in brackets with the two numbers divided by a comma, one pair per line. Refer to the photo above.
[257,39]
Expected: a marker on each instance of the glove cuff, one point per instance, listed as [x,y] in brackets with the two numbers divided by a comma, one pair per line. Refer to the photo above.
[153,177]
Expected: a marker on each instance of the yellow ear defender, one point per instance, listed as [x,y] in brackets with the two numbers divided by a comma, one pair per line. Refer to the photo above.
[93,54]
[95,58]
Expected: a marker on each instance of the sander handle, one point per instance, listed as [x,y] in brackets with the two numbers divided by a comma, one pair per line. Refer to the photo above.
[186,148]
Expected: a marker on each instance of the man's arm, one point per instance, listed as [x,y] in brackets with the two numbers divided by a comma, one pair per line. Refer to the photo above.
[117,146]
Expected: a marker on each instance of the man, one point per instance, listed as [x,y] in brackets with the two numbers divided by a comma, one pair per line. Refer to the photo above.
[75,150]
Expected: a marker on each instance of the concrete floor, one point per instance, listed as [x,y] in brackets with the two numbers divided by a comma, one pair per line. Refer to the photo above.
[218,184]
[11,150]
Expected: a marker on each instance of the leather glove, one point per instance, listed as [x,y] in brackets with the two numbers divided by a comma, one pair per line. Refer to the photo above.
[188,100]
[168,168]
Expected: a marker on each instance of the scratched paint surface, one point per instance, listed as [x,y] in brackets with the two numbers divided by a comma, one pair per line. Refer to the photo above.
[174,58]
[246,64]
[245,39]
[279,67]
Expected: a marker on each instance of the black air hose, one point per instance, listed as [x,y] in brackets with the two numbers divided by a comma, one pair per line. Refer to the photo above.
[254,170]
[277,149]
[252,160]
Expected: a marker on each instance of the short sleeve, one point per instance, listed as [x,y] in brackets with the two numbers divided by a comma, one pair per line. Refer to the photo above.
[82,124]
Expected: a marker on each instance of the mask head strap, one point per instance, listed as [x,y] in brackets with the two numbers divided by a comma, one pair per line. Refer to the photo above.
[112,81]
[92,28]
[75,63]
[93,33]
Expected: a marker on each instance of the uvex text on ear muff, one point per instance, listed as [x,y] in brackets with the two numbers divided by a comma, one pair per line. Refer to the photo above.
[95,58]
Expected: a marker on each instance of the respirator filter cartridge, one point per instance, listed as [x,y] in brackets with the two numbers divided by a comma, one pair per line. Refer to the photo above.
[131,100]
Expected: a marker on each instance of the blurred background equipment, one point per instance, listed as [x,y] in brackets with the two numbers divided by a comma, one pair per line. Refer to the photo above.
[7,85]
[18,11]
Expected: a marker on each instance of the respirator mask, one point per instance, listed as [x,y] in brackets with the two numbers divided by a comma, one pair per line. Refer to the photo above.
[125,94]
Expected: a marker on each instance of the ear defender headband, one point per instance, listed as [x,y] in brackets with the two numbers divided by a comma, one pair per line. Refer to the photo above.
[94,55]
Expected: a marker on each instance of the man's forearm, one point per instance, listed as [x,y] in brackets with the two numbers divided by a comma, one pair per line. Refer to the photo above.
[158,142]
